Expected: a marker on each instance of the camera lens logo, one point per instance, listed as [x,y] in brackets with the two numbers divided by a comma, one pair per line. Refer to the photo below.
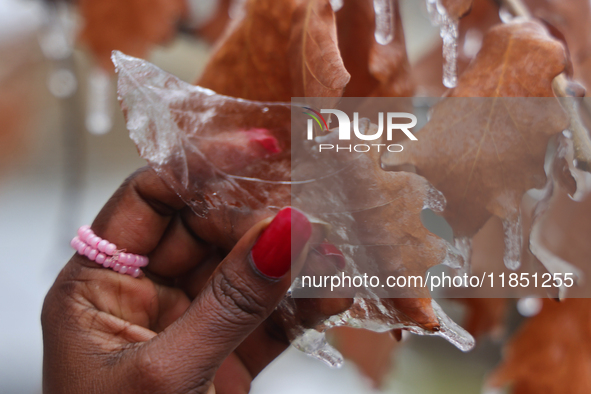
[316,116]
[344,129]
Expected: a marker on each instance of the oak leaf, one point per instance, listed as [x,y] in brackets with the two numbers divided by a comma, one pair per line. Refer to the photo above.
[230,160]
[376,70]
[131,26]
[371,352]
[484,154]
[550,353]
[571,19]
[279,50]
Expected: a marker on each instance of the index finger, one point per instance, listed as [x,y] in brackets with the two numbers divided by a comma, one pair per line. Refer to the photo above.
[143,218]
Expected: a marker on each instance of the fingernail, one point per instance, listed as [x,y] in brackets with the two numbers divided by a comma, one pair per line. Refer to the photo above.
[329,250]
[281,242]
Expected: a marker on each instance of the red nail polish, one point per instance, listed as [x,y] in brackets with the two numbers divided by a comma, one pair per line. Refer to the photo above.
[281,242]
[329,250]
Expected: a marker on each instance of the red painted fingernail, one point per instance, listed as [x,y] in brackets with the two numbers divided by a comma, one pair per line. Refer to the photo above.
[283,240]
[329,250]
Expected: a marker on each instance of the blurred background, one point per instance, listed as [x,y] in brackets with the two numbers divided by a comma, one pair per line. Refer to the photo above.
[64,149]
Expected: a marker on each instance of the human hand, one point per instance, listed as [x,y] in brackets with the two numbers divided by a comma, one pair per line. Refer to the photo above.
[194,321]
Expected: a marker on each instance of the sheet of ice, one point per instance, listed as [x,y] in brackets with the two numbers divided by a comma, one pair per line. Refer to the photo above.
[230,161]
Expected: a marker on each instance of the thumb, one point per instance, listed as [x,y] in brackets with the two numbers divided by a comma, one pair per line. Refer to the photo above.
[242,292]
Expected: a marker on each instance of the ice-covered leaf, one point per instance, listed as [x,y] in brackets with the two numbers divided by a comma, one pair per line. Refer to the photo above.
[484,154]
[133,27]
[550,353]
[230,160]
[376,70]
[372,352]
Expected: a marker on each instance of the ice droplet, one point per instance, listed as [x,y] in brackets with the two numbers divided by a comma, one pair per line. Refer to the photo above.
[385,22]
[529,306]
[336,5]
[62,83]
[448,30]
[512,229]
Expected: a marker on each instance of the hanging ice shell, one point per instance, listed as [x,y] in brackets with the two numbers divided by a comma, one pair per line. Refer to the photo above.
[385,21]
[448,30]
[230,160]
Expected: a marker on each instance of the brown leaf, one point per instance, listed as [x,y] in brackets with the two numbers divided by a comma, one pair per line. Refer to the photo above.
[251,61]
[485,316]
[457,8]
[131,26]
[516,60]
[372,352]
[279,50]
[317,69]
[376,70]
[483,154]
[571,18]
[217,25]
[551,352]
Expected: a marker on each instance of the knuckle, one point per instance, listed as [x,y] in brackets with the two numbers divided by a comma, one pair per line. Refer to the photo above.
[238,299]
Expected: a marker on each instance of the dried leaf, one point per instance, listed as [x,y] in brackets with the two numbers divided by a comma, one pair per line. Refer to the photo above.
[230,160]
[571,19]
[550,353]
[132,26]
[279,50]
[317,69]
[485,316]
[457,8]
[217,25]
[376,70]
[372,352]
[251,61]
[484,154]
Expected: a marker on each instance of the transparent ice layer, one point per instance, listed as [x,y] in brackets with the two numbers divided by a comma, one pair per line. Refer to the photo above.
[231,162]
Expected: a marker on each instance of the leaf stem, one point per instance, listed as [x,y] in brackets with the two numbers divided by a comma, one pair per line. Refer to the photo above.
[567,89]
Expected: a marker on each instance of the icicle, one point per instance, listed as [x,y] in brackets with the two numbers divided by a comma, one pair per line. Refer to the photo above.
[62,83]
[99,112]
[449,330]
[385,22]
[512,256]
[336,5]
[529,306]
[448,30]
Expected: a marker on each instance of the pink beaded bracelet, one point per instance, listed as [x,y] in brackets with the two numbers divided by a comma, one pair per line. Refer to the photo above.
[88,244]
